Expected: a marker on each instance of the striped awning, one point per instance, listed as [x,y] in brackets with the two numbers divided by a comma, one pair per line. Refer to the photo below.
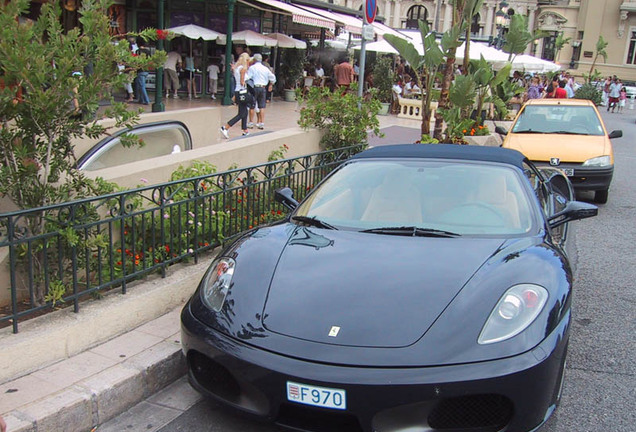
[350,23]
[300,16]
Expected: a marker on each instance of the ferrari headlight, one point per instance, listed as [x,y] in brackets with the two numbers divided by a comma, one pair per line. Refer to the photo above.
[515,311]
[600,161]
[216,283]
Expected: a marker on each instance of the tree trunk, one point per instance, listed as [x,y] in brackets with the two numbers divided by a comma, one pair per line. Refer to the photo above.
[443,97]
[466,53]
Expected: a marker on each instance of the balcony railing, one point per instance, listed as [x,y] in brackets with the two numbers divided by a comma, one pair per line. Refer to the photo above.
[64,253]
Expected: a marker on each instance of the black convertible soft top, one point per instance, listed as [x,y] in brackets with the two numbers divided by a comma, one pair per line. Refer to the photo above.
[445,151]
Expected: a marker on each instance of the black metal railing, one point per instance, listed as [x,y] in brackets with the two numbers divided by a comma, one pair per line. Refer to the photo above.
[61,254]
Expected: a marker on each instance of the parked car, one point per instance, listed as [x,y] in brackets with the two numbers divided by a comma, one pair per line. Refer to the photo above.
[160,139]
[418,287]
[568,134]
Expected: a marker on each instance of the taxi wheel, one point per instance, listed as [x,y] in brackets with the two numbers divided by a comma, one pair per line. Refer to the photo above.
[600,196]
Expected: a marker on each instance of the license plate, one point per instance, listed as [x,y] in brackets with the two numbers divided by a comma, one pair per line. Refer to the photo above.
[316,396]
[568,171]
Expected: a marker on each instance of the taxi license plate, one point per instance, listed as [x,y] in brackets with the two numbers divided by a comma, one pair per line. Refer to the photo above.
[568,171]
[316,396]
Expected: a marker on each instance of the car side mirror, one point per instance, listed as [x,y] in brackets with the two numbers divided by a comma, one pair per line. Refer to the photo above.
[285,196]
[616,134]
[501,130]
[574,210]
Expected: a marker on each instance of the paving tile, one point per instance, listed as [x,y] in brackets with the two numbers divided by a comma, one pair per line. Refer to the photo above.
[126,346]
[114,390]
[16,424]
[27,389]
[69,410]
[163,326]
[74,369]
[178,395]
[145,417]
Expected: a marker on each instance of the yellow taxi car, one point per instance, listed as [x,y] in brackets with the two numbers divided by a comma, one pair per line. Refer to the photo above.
[568,134]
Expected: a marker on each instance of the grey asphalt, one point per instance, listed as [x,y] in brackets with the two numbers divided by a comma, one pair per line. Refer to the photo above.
[600,386]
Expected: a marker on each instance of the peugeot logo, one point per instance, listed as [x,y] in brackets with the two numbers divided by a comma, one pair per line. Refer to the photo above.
[555,161]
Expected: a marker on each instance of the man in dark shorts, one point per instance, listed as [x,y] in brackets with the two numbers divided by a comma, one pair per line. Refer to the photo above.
[263,79]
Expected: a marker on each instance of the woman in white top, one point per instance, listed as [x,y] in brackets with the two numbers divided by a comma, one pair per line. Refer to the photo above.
[241,95]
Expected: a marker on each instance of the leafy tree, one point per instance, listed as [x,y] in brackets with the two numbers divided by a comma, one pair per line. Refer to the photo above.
[471,9]
[345,117]
[426,66]
[383,78]
[559,43]
[601,45]
[518,36]
[53,83]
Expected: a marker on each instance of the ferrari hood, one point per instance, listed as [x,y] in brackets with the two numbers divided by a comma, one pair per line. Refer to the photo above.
[367,290]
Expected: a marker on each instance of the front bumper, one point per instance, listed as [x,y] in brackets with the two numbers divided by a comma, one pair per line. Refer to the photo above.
[587,178]
[512,394]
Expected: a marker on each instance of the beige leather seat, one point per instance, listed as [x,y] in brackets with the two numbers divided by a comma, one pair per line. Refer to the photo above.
[395,202]
[494,192]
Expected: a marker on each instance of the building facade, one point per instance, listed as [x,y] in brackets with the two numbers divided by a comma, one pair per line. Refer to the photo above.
[583,21]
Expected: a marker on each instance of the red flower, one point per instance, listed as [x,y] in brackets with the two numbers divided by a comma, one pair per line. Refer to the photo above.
[161,34]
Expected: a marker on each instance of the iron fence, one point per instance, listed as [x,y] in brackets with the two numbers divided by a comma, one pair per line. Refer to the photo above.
[61,254]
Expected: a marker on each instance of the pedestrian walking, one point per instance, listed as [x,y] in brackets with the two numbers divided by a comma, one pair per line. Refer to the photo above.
[263,80]
[606,89]
[170,76]
[213,79]
[343,73]
[614,94]
[622,99]
[189,71]
[241,96]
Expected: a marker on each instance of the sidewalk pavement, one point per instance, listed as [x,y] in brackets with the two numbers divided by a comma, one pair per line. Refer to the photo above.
[92,387]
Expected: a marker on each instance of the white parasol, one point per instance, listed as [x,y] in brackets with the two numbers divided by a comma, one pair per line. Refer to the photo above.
[285,41]
[249,38]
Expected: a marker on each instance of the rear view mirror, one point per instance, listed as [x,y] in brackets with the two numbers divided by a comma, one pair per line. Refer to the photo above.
[616,134]
[574,210]
[501,130]
[285,196]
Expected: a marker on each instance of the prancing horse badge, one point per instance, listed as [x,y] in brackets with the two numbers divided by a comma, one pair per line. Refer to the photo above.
[334,331]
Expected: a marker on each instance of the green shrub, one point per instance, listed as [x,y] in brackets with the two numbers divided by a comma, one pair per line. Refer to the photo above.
[589,92]
[343,116]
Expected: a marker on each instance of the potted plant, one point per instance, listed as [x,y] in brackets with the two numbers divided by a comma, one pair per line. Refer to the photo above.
[292,66]
[383,79]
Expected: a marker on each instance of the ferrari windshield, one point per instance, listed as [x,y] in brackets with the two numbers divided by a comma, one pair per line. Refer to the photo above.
[561,119]
[422,197]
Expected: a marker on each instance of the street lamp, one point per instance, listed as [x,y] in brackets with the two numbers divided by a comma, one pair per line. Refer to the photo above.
[502,21]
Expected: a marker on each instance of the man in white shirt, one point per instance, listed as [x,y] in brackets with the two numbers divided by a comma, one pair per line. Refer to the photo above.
[263,79]
[213,79]
[170,77]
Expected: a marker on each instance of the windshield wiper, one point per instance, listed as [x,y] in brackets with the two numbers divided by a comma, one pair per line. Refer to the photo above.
[313,221]
[411,231]
[530,131]
[568,133]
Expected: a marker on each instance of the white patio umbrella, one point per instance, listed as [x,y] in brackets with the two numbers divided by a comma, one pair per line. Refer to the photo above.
[285,41]
[528,63]
[249,38]
[382,46]
[193,31]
